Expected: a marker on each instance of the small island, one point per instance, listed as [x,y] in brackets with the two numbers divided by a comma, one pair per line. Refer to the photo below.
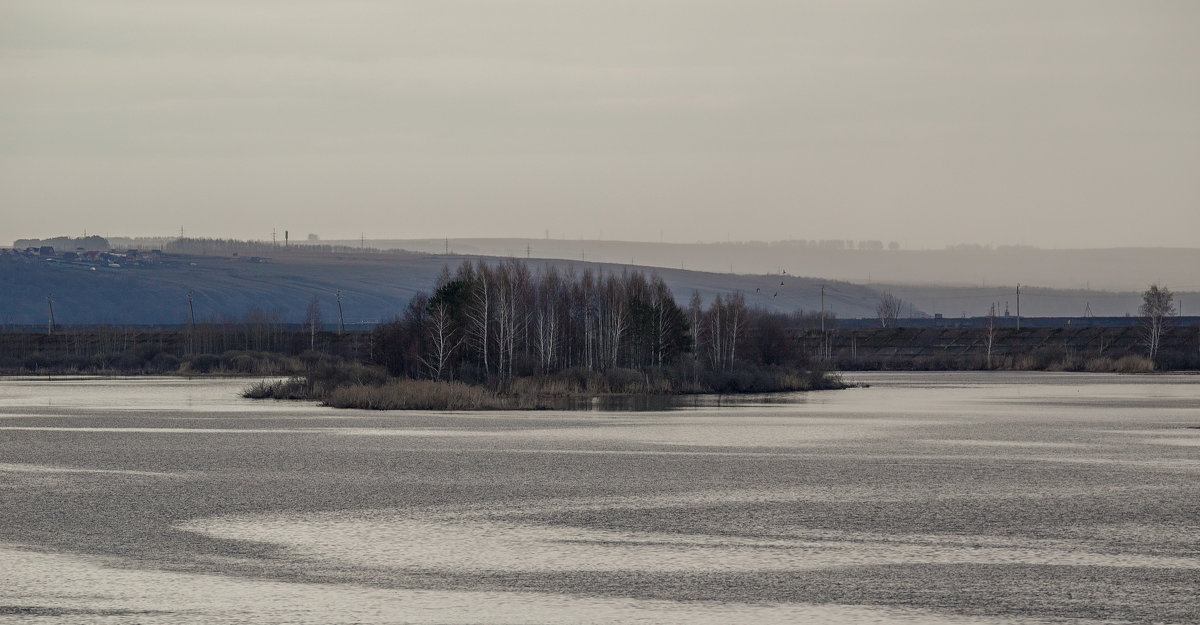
[499,336]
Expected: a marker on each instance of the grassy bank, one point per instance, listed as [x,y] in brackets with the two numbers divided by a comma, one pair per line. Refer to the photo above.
[1068,348]
[150,362]
[356,386]
[1042,360]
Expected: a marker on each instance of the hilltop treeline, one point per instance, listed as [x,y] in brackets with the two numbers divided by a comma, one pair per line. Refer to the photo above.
[492,323]
[194,245]
[65,243]
[234,247]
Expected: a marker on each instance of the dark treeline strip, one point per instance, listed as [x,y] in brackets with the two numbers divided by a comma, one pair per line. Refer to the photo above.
[1065,348]
[196,245]
[257,345]
[206,246]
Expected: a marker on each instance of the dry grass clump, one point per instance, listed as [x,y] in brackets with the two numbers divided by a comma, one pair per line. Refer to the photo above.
[239,363]
[1104,364]
[1133,364]
[404,394]
[291,388]
[1101,364]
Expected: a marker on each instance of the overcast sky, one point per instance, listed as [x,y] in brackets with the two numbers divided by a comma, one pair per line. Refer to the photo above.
[1042,122]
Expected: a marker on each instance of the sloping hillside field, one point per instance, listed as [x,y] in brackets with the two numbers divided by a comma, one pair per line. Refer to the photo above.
[374,287]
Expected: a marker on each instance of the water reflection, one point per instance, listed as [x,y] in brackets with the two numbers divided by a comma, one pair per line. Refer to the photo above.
[657,403]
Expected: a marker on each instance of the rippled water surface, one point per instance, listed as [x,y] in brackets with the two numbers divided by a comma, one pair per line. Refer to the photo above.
[925,498]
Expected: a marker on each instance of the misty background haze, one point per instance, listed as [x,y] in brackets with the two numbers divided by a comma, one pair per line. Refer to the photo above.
[1057,124]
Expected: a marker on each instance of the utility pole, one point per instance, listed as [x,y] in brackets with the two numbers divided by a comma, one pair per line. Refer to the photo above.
[341,319]
[447,245]
[824,336]
[1018,306]
[50,320]
[285,239]
[191,313]
[822,309]
[274,243]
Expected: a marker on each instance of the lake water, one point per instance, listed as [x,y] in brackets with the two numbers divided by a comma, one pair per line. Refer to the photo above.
[925,498]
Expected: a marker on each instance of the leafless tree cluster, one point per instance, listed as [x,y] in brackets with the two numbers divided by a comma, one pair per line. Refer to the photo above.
[500,320]
[719,329]
[257,330]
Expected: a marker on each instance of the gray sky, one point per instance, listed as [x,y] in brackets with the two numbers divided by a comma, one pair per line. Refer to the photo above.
[1041,122]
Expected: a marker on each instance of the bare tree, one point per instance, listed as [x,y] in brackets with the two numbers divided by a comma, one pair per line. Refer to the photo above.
[479,314]
[735,317]
[546,319]
[443,340]
[715,344]
[888,309]
[664,322]
[506,320]
[1157,310]
[991,333]
[615,320]
[312,319]
[588,315]
[546,332]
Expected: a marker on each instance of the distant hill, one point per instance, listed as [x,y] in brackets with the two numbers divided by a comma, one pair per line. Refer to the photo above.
[1035,301]
[862,262]
[374,287]
[377,286]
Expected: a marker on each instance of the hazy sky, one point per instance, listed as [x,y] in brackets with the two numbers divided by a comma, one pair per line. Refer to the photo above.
[1040,122]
